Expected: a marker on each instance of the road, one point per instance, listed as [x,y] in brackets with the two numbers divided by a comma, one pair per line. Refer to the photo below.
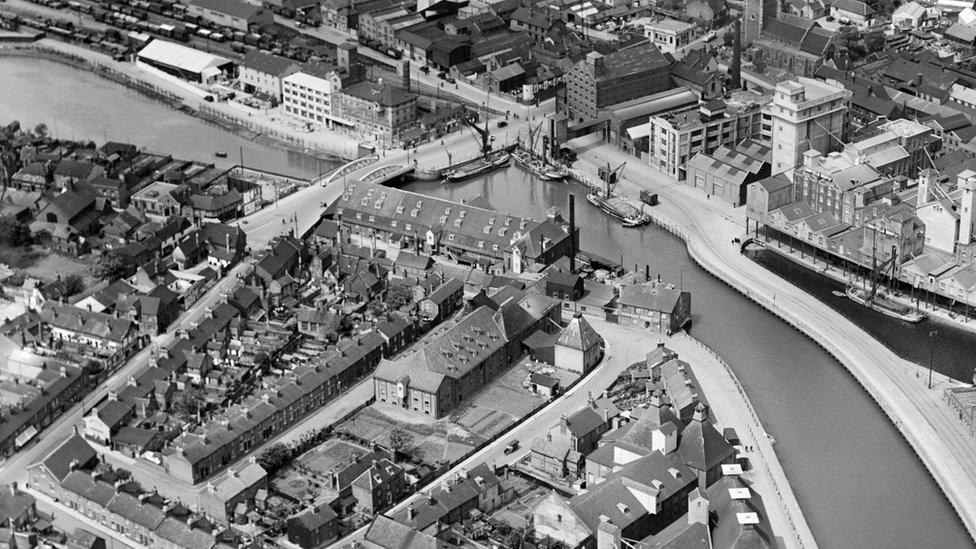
[14,469]
[930,426]
[730,407]
[622,350]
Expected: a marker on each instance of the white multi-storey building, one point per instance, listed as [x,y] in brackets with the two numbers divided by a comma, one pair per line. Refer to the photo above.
[807,114]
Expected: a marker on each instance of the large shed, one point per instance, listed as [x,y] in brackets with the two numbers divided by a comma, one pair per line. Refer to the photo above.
[185,62]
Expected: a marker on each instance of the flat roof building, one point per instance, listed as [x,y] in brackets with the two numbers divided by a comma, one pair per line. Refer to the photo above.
[808,114]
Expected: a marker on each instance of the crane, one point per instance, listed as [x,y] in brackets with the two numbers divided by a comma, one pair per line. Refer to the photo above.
[878,269]
[483,133]
[534,137]
[610,177]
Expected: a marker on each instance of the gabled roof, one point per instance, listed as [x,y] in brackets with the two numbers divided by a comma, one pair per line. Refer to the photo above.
[73,450]
[653,296]
[84,485]
[130,508]
[389,534]
[624,495]
[268,63]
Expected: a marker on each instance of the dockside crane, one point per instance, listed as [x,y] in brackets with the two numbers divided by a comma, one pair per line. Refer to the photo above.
[610,177]
[483,134]
[878,269]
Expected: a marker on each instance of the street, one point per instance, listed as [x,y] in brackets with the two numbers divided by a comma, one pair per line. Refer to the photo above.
[934,431]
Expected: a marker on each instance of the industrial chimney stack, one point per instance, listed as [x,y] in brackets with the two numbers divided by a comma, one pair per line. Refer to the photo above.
[572,234]
[735,71]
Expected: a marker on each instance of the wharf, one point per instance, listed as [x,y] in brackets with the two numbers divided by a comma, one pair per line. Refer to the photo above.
[930,426]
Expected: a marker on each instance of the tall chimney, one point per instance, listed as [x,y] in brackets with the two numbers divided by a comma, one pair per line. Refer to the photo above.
[572,233]
[735,71]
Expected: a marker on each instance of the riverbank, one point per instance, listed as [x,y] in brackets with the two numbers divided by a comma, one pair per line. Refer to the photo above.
[935,313]
[252,125]
[732,408]
[707,227]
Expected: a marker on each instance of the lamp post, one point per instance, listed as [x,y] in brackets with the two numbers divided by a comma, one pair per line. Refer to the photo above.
[932,335]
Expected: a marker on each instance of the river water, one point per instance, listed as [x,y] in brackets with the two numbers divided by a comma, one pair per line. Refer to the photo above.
[859,483]
[852,472]
[81,105]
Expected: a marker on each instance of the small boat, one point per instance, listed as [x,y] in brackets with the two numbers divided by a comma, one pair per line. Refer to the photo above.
[481,166]
[220,154]
[838,293]
[884,305]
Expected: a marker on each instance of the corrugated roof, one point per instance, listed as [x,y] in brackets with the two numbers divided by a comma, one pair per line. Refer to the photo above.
[180,56]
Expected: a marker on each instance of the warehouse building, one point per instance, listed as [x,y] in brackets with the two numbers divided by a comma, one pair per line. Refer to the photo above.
[183,62]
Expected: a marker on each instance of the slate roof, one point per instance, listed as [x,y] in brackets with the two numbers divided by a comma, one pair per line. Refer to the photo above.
[113,412]
[701,445]
[87,322]
[181,535]
[314,518]
[621,495]
[82,484]
[74,448]
[453,354]
[130,508]
[14,506]
[579,335]
[653,297]
[73,168]
[390,534]
[268,63]
[629,61]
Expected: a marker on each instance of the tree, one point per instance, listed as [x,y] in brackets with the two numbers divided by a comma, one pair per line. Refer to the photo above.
[74,283]
[399,439]
[398,295]
[728,39]
[274,457]
[13,232]
[40,130]
[189,401]
[110,267]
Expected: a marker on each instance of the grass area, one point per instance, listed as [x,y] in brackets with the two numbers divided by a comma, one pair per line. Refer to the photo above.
[45,265]
[20,258]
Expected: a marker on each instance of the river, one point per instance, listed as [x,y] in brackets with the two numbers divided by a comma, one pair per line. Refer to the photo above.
[848,465]
[81,105]
[858,482]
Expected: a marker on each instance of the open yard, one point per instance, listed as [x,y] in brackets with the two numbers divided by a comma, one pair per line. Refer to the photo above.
[494,409]
[431,441]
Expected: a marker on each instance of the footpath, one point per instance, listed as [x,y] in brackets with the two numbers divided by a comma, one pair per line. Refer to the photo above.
[929,425]
[732,408]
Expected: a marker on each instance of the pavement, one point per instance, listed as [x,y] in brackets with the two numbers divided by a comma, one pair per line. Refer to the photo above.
[897,385]
[731,407]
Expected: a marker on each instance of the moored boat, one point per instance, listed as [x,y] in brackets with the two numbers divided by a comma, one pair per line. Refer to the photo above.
[884,305]
[479,167]
[620,209]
